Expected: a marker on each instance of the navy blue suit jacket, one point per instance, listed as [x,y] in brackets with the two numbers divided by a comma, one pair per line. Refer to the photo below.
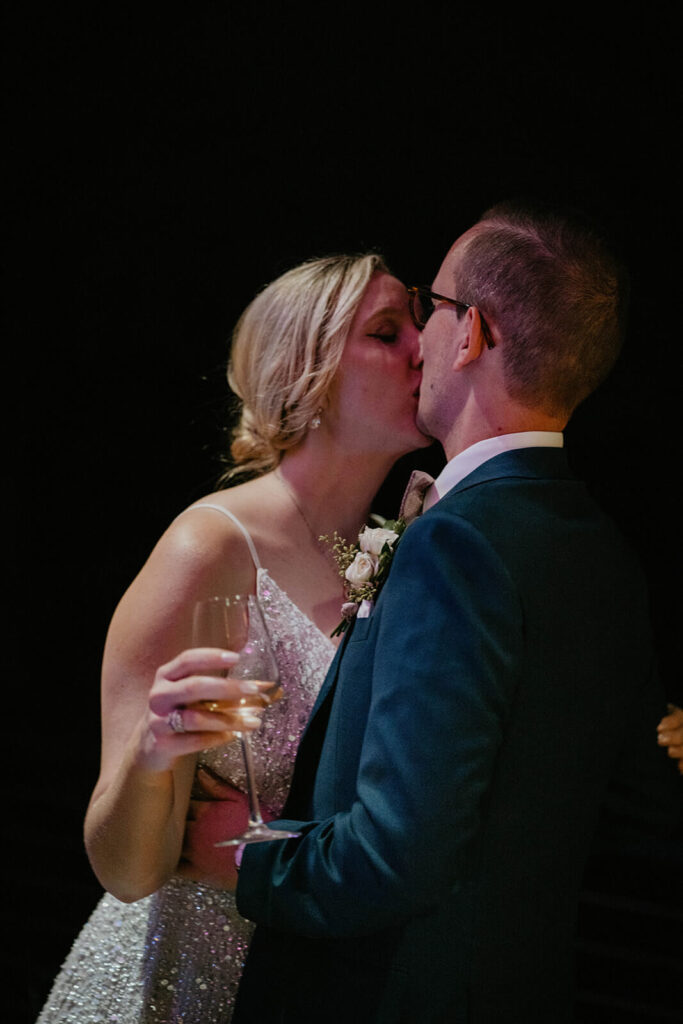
[452,775]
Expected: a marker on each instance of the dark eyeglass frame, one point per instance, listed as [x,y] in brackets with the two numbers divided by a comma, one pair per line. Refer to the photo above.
[423,291]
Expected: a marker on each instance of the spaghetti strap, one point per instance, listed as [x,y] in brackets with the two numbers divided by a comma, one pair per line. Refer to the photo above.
[235,520]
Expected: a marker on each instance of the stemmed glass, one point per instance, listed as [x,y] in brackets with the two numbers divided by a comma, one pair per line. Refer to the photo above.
[236,623]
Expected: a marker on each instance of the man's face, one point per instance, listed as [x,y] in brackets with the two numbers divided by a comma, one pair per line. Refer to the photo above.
[439,391]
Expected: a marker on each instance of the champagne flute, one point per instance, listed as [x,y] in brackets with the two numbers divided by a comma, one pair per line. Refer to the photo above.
[236,623]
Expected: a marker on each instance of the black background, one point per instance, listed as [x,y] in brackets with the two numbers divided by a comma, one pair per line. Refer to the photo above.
[165,166]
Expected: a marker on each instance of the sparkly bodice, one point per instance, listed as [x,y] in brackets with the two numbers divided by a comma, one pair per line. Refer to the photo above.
[178,955]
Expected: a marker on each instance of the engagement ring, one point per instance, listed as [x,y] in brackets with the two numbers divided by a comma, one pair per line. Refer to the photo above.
[175,720]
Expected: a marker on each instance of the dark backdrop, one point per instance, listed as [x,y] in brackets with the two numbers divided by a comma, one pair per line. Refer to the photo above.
[165,166]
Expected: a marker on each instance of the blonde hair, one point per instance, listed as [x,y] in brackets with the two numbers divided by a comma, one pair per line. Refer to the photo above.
[286,349]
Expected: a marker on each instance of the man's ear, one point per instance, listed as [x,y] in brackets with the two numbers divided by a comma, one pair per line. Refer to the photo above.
[471,341]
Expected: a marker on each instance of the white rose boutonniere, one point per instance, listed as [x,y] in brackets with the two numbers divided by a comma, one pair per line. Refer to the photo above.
[364,565]
[361,570]
[373,540]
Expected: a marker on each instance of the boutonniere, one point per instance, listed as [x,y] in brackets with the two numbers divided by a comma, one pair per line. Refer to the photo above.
[365,564]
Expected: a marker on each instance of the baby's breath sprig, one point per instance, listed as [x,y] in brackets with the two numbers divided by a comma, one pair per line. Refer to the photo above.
[342,552]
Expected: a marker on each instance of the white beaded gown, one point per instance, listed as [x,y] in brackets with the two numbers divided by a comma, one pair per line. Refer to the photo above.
[176,957]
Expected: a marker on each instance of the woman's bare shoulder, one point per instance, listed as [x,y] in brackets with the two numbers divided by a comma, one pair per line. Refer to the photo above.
[201,551]
[205,525]
[199,537]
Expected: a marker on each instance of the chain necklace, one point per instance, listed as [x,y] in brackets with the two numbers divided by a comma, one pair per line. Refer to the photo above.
[290,491]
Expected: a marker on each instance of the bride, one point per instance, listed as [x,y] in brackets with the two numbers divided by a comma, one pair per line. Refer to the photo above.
[326,362]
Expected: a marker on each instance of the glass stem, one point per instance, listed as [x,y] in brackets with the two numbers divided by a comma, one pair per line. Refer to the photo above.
[254,809]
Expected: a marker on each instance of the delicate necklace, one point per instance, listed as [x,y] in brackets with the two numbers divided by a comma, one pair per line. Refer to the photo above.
[290,491]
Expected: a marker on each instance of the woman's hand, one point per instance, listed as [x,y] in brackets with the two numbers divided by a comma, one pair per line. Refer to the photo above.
[670,734]
[179,721]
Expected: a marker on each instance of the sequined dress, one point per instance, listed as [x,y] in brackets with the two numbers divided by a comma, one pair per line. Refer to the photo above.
[177,955]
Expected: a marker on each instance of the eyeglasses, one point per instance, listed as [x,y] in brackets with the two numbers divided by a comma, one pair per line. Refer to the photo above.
[421,304]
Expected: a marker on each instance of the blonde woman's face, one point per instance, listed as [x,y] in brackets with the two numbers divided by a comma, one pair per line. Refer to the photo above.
[373,399]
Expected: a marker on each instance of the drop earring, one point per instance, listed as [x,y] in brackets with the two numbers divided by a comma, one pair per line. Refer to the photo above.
[315,422]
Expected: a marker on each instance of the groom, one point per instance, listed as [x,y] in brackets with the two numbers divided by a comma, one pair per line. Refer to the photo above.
[451,779]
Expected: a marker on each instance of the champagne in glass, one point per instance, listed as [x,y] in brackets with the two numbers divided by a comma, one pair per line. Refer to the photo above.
[236,623]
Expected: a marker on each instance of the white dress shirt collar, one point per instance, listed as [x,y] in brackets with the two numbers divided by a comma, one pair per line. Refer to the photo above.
[465,462]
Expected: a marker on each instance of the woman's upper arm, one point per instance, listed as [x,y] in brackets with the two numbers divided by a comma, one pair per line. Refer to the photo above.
[197,556]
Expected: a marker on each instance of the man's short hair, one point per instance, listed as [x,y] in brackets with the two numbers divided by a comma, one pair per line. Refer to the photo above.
[557,295]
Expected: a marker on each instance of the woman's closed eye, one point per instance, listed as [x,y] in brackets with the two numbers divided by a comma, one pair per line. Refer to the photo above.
[386,337]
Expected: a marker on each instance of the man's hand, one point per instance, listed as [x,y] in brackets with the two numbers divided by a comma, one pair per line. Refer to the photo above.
[670,734]
[223,813]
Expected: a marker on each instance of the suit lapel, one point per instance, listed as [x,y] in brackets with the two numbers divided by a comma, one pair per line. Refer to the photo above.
[310,746]
[331,677]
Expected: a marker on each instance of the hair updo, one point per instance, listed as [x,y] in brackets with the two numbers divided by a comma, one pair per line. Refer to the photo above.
[286,349]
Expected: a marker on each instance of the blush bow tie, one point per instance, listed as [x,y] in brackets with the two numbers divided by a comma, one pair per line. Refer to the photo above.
[411,503]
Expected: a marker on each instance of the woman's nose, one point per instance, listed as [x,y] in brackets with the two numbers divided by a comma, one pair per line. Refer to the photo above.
[415,347]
